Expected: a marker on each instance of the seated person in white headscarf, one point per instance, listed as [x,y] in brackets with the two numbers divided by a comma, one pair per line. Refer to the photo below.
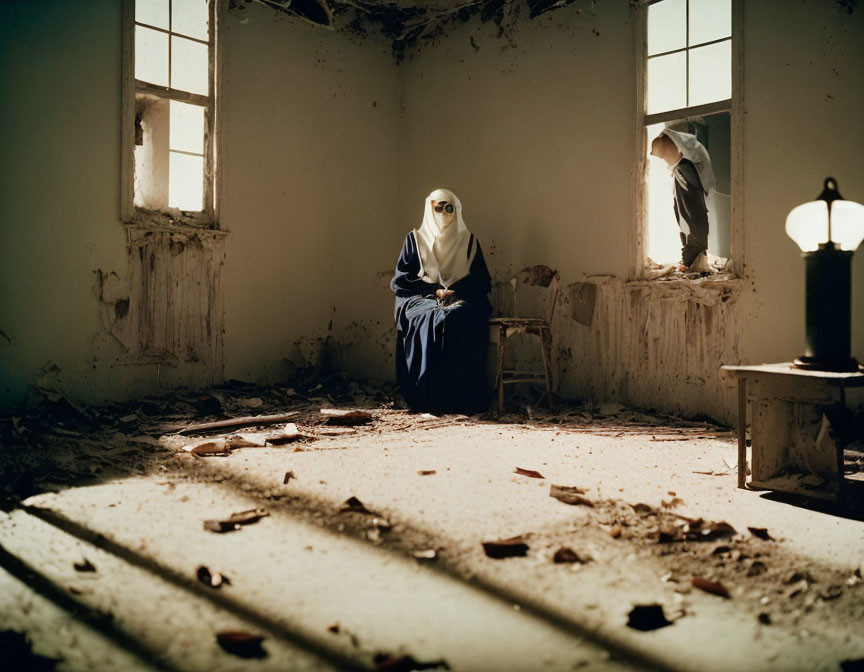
[693,178]
[442,312]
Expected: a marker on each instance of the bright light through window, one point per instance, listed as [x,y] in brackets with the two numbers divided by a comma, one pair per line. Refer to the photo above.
[173,160]
[664,241]
[190,18]
[187,127]
[151,56]
[188,65]
[687,65]
[186,181]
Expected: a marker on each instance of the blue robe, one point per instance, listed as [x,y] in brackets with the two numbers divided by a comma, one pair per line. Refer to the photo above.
[441,350]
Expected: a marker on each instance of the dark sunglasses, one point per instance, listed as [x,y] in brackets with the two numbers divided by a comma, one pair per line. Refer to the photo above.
[447,207]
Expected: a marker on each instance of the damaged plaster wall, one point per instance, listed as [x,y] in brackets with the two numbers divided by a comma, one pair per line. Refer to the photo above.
[169,314]
[538,131]
[330,147]
[311,187]
[531,131]
[59,194]
[651,344]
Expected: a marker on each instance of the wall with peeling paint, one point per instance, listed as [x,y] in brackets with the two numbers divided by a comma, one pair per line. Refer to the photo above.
[59,193]
[90,309]
[329,149]
[532,132]
[311,189]
[536,137]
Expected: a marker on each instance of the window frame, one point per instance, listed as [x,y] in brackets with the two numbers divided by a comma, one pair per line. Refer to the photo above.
[129,212]
[735,106]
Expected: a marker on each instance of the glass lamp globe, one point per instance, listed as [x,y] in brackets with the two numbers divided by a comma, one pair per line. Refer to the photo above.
[828,219]
[828,231]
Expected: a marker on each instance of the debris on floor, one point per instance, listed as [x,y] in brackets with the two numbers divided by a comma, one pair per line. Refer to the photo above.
[390,663]
[211,579]
[647,617]
[57,446]
[236,520]
[241,644]
[713,587]
[570,494]
[16,651]
[512,547]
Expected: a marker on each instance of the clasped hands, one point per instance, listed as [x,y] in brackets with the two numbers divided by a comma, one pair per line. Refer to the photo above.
[446,297]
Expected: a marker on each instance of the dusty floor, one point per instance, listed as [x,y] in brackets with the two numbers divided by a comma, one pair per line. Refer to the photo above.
[103,543]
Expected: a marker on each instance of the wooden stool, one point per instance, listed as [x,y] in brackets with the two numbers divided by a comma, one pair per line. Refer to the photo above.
[539,276]
[507,326]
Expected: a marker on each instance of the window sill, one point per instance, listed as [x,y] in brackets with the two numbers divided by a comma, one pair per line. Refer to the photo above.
[679,279]
[153,220]
[722,286]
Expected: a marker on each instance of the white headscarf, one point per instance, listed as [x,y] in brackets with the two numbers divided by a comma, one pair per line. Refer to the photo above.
[443,253]
[694,151]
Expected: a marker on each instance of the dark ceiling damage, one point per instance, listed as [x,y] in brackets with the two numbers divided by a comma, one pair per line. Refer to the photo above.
[407,24]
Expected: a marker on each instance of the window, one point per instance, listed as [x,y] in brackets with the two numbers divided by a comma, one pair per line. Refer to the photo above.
[688,86]
[173,57]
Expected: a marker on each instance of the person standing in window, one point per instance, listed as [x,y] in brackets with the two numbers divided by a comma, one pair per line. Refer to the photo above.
[693,177]
[442,312]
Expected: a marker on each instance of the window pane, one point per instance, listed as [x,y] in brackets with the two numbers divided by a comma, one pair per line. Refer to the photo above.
[151,56]
[188,66]
[711,73]
[710,20]
[186,182]
[667,83]
[187,127]
[667,26]
[190,18]
[152,12]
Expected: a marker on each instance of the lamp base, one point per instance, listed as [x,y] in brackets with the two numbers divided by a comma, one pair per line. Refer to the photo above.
[845,365]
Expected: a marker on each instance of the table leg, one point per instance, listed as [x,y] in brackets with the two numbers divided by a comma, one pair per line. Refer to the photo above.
[502,346]
[742,431]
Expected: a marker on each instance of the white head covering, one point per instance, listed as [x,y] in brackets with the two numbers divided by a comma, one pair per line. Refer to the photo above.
[443,253]
[694,151]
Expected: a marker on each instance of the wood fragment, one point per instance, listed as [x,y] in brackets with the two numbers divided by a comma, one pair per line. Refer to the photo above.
[246,421]
[506,548]
[335,416]
[713,587]
[530,473]
[569,494]
[235,520]
[208,447]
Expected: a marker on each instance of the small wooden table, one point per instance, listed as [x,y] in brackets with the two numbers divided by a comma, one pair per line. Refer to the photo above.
[791,449]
